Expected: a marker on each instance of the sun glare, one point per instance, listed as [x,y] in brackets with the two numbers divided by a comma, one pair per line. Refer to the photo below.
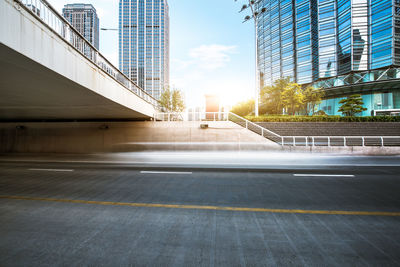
[232,96]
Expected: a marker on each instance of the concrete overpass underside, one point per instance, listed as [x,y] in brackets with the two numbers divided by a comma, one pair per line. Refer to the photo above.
[49,73]
[31,91]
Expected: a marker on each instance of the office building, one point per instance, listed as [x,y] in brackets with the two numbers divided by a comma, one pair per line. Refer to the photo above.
[144,43]
[84,19]
[342,46]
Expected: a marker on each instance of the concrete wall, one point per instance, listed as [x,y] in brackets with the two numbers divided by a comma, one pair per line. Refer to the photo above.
[90,137]
[333,128]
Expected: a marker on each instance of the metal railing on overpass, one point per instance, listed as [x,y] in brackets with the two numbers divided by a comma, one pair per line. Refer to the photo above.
[45,13]
[297,141]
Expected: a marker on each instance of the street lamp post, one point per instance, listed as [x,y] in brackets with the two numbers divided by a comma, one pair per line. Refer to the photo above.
[257,100]
[254,13]
[111,29]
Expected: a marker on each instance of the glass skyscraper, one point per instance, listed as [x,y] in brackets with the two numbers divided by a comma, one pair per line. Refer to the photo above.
[84,19]
[342,46]
[144,43]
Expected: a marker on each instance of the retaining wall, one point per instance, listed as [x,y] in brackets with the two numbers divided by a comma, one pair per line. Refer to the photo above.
[92,137]
[333,128]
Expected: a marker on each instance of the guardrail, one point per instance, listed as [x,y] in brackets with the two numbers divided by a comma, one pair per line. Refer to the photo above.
[337,141]
[45,13]
[192,116]
[255,128]
[306,141]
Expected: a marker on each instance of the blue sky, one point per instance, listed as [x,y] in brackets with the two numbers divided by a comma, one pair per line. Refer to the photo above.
[212,51]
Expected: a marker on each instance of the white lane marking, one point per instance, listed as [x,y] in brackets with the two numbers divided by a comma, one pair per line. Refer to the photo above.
[207,163]
[52,170]
[161,172]
[324,175]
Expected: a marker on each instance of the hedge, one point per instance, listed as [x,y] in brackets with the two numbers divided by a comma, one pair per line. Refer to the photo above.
[287,118]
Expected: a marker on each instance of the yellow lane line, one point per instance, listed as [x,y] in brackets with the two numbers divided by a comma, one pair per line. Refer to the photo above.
[199,207]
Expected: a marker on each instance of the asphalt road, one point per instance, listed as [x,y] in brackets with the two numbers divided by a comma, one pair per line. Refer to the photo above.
[202,210]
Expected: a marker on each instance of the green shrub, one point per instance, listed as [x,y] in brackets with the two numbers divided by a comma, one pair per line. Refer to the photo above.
[287,118]
[320,113]
[244,108]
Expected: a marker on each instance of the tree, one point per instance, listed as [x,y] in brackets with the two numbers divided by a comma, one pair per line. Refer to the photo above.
[165,99]
[244,108]
[320,113]
[172,100]
[178,104]
[293,98]
[352,105]
[271,97]
[312,97]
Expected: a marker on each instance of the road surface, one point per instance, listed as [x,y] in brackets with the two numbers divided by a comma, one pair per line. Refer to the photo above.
[199,209]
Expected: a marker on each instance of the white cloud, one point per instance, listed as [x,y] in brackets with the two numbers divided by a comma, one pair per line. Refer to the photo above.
[181,64]
[211,57]
[206,57]
[205,70]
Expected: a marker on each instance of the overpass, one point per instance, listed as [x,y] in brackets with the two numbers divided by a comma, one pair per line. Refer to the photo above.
[50,72]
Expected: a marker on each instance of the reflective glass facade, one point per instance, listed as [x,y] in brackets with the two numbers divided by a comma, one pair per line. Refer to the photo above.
[375,101]
[327,49]
[316,40]
[310,40]
[306,41]
[382,44]
[84,19]
[144,43]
